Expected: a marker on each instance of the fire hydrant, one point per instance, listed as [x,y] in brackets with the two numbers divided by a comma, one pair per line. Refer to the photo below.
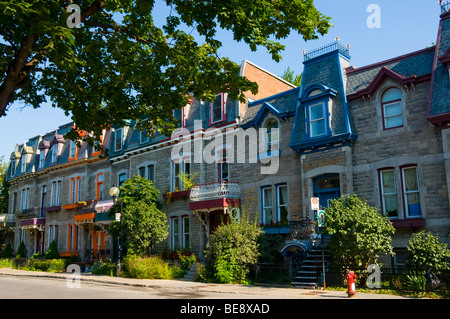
[351,290]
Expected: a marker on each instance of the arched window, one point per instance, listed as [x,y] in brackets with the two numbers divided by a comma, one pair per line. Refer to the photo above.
[391,103]
[272,138]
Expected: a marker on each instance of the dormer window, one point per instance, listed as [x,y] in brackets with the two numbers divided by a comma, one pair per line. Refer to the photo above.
[23,166]
[13,168]
[272,138]
[316,99]
[54,153]
[317,123]
[391,104]
[73,149]
[41,159]
[217,109]
[118,139]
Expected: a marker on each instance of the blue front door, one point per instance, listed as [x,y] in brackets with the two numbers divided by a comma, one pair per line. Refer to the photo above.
[326,187]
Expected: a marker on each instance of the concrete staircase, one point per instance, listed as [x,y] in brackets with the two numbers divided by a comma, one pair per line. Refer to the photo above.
[191,273]
[310,273]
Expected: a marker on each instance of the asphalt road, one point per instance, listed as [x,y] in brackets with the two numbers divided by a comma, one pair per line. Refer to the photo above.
[50,288]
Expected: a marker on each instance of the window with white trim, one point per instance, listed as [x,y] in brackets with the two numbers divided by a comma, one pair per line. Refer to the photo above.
[267,206]
[411,193]
[56,194]
[147,171]
[54,153]
[282,204]
[391,103]
[41,159]
[217,109]
[272,137]
[175,242]
[118,139]
[23,165]
[317,119]
[186,232]
[388,193]
[178,168]
[75,190]
[24,199]
[73,149]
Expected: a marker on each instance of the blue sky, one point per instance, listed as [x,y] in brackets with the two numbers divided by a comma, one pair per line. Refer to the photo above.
[405,26]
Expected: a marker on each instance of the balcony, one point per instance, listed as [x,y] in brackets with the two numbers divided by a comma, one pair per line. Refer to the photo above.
[34,212]
[7,220]
[217,195]
[33,223]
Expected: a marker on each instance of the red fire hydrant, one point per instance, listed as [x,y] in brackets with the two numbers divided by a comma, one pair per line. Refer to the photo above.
[351,288]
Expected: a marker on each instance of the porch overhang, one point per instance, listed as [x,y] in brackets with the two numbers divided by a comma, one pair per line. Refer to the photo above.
[214,204]
[84,218]
[33,223]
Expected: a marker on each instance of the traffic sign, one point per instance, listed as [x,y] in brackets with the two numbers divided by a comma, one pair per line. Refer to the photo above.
[315,203]
[320,218]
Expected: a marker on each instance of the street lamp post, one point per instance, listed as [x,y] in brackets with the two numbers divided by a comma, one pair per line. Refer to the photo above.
[114,193]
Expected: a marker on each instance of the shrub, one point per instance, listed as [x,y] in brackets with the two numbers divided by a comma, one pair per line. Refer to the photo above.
[104,267]
[22,250]
[186,261]
[52,252]
[232,249]
[152,267]
[426,251]
[7,253]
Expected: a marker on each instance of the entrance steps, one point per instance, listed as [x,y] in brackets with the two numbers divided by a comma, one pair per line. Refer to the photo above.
[192,273]
[311,271]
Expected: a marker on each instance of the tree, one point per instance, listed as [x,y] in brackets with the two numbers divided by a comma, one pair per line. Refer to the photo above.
[4,187]
[359,233]
[426,251]
[142,225]
[118,56]
[289,76]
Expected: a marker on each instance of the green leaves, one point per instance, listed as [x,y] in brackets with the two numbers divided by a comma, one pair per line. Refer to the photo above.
[359,232]
[142,224]
[426,251]
[119,65]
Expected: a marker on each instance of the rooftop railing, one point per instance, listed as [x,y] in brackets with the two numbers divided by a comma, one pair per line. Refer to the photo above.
[445,6]
[334,46]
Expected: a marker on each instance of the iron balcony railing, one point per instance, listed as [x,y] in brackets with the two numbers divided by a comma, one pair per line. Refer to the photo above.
[215,190]
[33,212]
[7,219]
[336,45]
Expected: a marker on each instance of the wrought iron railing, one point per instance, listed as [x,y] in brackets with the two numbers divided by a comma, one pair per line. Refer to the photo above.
[7,219]
[445,7]
[33,212]
[215,190]
[345,50]
[300,229]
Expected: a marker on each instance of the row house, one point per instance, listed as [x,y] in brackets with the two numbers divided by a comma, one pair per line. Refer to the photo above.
[380,131]
[60,189]
[57,191]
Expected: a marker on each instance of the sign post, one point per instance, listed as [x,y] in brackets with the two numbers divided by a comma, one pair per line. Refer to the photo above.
[321,224]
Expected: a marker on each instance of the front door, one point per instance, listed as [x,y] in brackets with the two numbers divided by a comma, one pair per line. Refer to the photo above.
[327,188]
[216,218]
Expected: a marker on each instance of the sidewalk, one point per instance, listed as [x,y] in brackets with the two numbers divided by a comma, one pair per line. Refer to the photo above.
[274,293]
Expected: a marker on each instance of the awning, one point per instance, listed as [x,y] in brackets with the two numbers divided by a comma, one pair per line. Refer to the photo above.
[293,246]
[84,218]
[103,206]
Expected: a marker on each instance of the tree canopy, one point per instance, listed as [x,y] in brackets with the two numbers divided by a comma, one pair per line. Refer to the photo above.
[117,63]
